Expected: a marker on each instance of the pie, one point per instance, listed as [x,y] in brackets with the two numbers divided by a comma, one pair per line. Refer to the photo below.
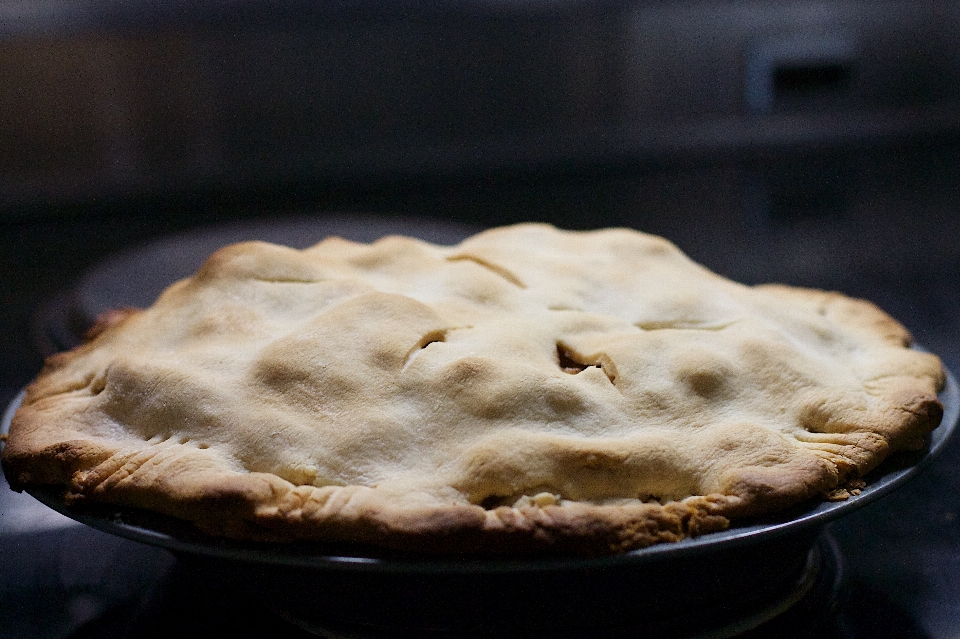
[530,390]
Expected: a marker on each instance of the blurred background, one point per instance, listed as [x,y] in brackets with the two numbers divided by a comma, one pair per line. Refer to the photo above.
[802,141]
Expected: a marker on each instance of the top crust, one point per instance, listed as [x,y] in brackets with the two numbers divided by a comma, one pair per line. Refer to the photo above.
[529,390]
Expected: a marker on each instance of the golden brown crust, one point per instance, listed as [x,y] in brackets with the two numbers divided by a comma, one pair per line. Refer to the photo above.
[529,390]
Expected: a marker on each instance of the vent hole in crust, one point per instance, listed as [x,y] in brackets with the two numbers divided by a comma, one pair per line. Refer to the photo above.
[684,325]
[98,385]
[433,337]
[530,499]
[569,363]
[496,269]
[491,502]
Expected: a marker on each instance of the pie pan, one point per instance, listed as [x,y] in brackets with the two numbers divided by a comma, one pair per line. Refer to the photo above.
[715,585]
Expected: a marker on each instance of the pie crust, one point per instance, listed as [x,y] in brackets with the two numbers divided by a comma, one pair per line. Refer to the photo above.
[529,390]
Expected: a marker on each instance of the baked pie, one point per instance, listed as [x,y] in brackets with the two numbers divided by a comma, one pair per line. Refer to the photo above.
[529,390]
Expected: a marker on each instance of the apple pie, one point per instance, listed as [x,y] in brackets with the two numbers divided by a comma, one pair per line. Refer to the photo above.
[530,390]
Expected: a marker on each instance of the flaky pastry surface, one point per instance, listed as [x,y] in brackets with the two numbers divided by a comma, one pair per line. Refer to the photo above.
[528,390]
